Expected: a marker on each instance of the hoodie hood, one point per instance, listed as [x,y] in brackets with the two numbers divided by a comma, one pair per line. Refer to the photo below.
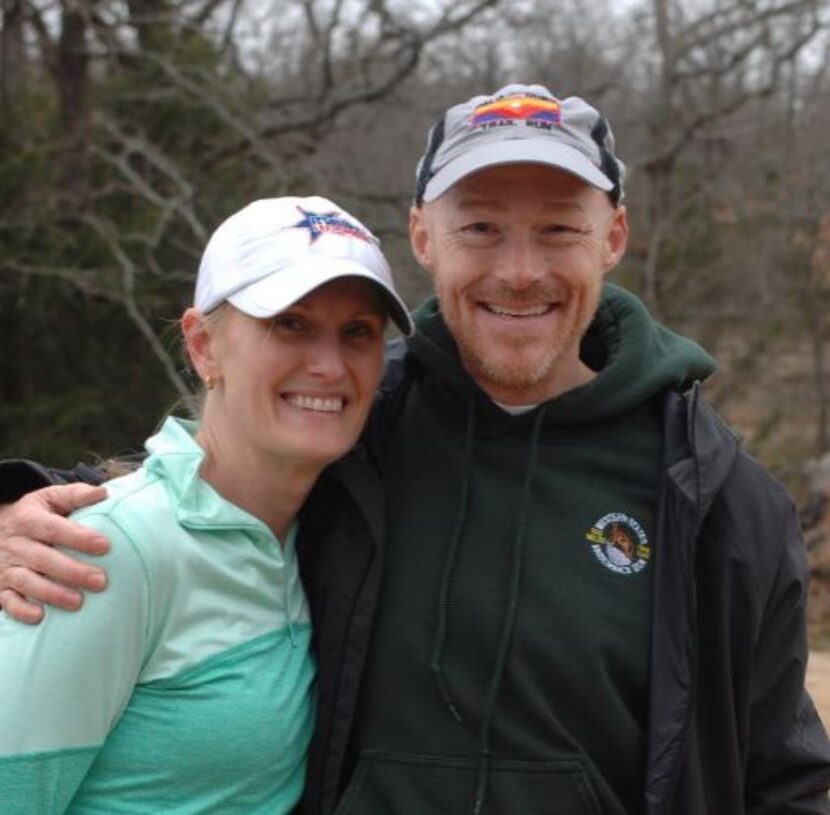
[634,356]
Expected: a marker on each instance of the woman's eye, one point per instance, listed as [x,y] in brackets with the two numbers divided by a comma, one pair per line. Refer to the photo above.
[362,330]
[288,323]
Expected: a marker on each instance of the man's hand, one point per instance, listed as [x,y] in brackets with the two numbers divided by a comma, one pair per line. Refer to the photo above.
[31,570]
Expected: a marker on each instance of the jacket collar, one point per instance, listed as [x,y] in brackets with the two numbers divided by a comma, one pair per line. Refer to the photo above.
[700,449]
[176,457]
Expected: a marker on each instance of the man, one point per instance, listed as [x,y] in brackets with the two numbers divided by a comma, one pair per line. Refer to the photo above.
[515,666]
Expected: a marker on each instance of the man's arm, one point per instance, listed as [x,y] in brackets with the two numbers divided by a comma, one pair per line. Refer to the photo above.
[789,763]
[31,570]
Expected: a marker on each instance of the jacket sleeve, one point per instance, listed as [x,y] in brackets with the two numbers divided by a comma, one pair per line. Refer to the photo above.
[788,767]
[20,476]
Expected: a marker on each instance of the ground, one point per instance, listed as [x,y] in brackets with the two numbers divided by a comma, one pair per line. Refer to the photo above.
[818,683]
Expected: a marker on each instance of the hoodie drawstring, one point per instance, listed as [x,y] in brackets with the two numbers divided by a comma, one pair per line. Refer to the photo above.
[508,624]
[436,663]
[509,618]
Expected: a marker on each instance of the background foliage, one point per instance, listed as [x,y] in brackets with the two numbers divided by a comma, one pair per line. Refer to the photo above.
[131,128]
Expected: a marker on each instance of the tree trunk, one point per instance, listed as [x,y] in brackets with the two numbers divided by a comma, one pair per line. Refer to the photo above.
[12,55]
[72,82]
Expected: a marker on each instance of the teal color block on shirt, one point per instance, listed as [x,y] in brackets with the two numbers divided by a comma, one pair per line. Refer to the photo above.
[185,687]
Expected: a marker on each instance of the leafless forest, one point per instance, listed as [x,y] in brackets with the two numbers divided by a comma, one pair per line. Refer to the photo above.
[131,128]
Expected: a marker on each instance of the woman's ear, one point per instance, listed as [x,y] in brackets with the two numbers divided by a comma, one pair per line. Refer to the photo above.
[199,339]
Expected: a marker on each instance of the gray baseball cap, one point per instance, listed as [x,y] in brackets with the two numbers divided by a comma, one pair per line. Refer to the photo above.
[517,124]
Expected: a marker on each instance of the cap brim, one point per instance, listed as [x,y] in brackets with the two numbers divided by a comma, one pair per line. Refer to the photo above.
[517,151]
[278,291]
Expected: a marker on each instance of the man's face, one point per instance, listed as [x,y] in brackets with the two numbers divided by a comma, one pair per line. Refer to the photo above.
[518,254]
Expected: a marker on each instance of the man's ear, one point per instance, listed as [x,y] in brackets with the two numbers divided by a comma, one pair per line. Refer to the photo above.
[199,340]
[420,238]
[616,240]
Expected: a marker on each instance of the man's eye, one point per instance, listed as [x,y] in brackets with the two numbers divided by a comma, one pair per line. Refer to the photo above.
[479,228]
[562,229]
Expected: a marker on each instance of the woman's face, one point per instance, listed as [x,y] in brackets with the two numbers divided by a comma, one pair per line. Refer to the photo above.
[298,386]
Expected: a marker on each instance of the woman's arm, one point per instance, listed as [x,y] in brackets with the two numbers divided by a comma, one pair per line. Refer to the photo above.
[65,683]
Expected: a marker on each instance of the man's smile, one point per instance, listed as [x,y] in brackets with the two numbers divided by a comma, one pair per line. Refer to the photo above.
[519,311]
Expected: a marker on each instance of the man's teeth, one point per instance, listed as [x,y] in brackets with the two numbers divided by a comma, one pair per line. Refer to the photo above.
[328,404]
[519,311]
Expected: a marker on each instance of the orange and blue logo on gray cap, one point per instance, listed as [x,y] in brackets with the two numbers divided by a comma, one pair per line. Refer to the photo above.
[535,111]
[322,223]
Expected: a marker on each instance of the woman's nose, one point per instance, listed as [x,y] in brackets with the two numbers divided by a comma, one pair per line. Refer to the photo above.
[326,359]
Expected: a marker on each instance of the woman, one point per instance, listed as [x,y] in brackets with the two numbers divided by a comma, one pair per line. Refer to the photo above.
[188,687]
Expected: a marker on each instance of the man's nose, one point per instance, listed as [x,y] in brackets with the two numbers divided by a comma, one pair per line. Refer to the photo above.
[521,267]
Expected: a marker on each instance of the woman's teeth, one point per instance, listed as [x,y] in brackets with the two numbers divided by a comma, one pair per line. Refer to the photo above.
[321,404]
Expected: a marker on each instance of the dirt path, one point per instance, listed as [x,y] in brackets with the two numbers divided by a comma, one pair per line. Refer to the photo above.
[818,683]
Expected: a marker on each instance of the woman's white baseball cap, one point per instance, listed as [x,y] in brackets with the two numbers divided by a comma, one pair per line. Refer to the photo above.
[275,251]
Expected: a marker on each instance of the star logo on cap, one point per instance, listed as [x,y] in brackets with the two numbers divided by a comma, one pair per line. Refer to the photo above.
[321,223]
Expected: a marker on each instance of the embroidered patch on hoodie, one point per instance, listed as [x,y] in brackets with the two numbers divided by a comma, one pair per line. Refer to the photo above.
[619,543]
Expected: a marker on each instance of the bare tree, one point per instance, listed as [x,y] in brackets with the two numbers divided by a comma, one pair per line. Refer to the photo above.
[120,73]
[708,63]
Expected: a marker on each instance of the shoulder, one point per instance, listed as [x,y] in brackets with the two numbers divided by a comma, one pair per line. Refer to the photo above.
[738,477]
[136,498]
[137,518]
[763,520]
[750,512]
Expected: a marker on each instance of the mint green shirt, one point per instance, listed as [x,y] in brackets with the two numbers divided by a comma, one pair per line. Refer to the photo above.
[187,686]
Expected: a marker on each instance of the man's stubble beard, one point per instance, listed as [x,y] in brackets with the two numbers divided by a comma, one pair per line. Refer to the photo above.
[516,374]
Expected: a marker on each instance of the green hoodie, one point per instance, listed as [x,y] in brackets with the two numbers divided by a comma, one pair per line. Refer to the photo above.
[508,669]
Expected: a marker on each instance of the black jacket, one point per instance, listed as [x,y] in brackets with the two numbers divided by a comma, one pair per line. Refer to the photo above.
[731,728]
